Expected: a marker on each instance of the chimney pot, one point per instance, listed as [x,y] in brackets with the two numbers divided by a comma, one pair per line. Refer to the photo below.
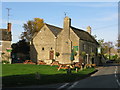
[89,29]
[9,27]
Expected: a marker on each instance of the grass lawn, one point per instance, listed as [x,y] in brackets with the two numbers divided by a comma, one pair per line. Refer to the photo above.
[24,74]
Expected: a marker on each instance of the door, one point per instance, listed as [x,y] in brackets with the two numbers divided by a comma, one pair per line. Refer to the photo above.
[51,54]
[92,60]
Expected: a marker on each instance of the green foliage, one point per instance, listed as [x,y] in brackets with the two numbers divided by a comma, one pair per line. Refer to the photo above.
[92,54]
[114,57]
[22,75]
[106,56]
[75,53]
[3,53]
[118,58]
[21,47]
[105,46]
[57,54]
[94,36]
[5,62]
[31,27]
[53,60]
[83,53]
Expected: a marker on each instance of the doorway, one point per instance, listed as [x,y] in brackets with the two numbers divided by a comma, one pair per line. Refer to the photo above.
[51,54]
[93,61]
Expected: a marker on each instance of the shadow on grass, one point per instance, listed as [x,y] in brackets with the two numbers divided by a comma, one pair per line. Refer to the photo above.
[30,79]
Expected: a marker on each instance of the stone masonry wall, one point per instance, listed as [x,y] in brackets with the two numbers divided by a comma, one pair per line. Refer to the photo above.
[44,42]
[5,45]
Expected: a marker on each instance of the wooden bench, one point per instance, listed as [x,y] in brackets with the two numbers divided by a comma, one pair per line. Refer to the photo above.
[41,62]
[63,66]
[93,65]
[28,62]
[90,65]
[55,63]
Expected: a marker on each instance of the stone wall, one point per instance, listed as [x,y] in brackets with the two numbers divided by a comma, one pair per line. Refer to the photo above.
[88,47]
[75,42]
[5,45]
[64,48]
[44,42]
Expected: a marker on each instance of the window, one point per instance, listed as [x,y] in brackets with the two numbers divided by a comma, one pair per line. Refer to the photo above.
[84,46]
[51,48]
[91,49]
[43,48]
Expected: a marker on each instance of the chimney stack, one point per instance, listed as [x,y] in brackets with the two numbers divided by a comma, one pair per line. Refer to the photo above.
[9,27]
[89,29]
[66,26]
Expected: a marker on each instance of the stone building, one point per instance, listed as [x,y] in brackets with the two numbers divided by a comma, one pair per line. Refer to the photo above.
[5,42]
[68,42]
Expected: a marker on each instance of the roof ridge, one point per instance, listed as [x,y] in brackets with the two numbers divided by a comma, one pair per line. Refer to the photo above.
[53,26]
[78,28]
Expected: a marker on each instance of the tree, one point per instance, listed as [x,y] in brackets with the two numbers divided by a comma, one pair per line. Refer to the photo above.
[94,36]
[20,50]
[31,27]
[101,42]
[21,47]
[118,45]
[108,47]
[105,47]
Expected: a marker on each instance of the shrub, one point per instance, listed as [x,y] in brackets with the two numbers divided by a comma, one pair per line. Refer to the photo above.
[53,60]
[57,54]
[75,53]
[83,53]
[5,62]
[114,57]
[92,54]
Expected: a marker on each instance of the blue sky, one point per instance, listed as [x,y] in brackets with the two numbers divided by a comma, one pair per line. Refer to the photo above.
[101,16]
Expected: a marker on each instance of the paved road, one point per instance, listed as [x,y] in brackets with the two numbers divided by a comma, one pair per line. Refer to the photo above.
[107,77]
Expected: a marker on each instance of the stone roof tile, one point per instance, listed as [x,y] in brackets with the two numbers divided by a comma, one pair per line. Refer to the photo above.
[5,35]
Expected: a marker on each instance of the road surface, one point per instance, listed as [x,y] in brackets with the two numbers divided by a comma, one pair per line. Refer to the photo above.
[106,77]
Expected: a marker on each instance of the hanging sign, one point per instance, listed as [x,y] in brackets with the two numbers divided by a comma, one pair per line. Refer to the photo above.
[9,49]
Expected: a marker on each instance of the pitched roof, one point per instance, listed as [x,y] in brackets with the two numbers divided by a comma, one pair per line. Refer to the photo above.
[83,35]
[55,30]
[5,35]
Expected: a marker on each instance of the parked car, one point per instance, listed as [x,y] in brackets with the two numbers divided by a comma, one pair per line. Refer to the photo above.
[109,61]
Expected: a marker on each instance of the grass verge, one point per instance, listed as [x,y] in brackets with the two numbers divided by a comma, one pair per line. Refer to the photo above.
[14,75]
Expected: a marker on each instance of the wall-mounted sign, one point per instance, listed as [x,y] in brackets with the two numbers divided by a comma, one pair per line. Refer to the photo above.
[75,48]
[9,49]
